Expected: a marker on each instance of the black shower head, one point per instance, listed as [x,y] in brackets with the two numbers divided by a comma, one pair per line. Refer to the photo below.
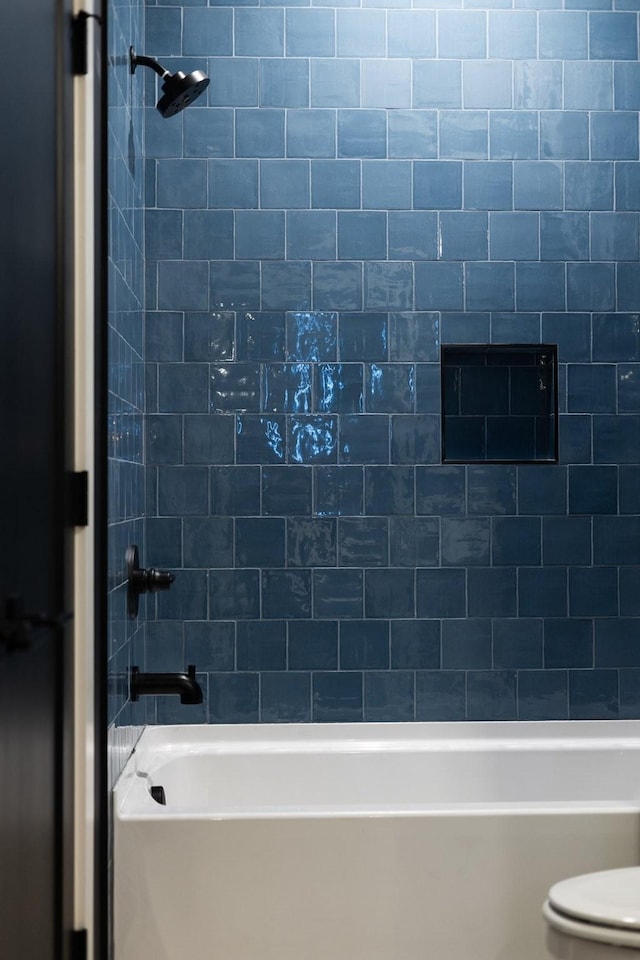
[178,89]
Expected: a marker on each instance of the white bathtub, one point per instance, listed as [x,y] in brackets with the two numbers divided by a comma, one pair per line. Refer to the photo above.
[416,841]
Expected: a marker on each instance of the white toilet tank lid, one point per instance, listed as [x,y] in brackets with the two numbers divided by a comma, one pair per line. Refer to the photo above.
[611,898]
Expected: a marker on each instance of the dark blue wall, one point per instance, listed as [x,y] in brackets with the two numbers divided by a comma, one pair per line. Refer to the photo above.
[359,186]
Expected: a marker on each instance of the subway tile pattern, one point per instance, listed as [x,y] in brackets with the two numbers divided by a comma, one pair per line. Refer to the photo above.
[361,184]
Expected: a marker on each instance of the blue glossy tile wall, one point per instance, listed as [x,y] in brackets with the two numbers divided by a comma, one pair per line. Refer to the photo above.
[360,185]
[126,283]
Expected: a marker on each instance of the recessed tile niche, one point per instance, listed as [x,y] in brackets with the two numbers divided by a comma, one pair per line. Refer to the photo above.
[499,403]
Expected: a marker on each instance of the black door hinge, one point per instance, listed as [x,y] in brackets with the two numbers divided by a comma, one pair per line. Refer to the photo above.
[79,943]
[79,54]
[78,498]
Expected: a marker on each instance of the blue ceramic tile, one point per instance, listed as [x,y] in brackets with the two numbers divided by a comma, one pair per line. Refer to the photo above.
[260,133]
[437,83]
[486,84]
[589,185]
[183,285]
[616,337]
[208,133]
[286,593]
[259,234]
[234,594]
[517,644]
[564,136]
[311,234]
[313,645]
[339,388]
[233,183]
[613,36]
[182,491]
[629,687]
[286,491]
[513,236]
[614,136]
[537,84]
[362,236]
[233,698]
[386,184]
[259,542]
[628,383]
[388,286]
[614,236]
[537,185]
[164,336]
[412,235]
[593,694]
[513,135]
[338,594]
[259,33]
[361,33]
[312,439]
[540,286]
[284,83]
[491,490]
[235,387]
[411,33]
[311,336]
[491,695]
[208,234]
[337,697]
[337,286]
[464,133]
[335,83]
[208,542]
[260,336]
[439,286]
[571,333]
[310,33]
[490,286]
[207,31]
[465,542]
[615,540]
[575,439]
[388,491]
[362,133]
[437,185]
[440,694]
[415,644]
[182,183]
[287,388]
[286,285]
[593,592]
[261,646]
[187,599]
[515,541]
[171,711]
[616,643]
[311,133]
[163,234]
[414,336]
[590,286]
[163,439]
[441,593]
[568,643]
[428,388]
[363,337]
[543,695]
[235,491]
[363,542]
[542,490]
[629,586]
[563,35]
[284,184]
[339,491]
[463,236]
[588,85]
[364,645]
[566,540]
[163,31]
[389,388]
[335,184]
[413,133]
[627,287]
[210,645]
[414,542]
[311,542]
[461,34]
[512,34]
[390,593]
[364,439]
[234,82]
[285,698]
[542,592]
[591,388]
[629,489]
[466,644]
[389,696]
[491,592]
[626,86]
[564,236]
[164,541]
[260,439]
[386,83]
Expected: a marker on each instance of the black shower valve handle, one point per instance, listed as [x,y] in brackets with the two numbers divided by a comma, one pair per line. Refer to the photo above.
[143,580]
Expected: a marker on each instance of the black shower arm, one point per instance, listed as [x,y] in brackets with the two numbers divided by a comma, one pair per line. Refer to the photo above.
[138,60]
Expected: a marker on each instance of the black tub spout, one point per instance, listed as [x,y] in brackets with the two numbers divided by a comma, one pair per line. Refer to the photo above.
[153,684]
